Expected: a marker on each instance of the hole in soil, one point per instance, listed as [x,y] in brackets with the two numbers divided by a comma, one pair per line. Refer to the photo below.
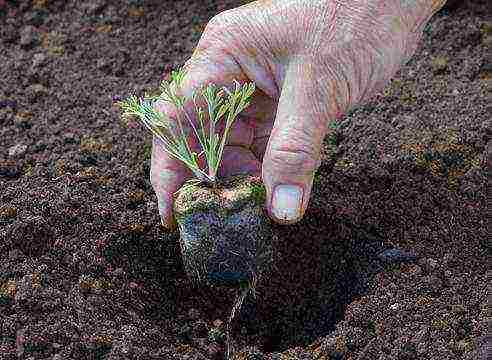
[298,308]
[349,263]
[301,324]
[301,302]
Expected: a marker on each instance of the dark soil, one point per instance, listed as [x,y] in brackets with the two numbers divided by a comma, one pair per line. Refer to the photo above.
[86,271]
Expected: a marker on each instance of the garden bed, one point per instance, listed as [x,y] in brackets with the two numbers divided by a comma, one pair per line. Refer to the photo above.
[87,272]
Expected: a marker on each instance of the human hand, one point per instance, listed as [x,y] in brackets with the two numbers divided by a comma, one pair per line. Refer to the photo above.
[311,61]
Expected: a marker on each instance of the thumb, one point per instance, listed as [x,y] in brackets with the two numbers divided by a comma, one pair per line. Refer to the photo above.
[294,149]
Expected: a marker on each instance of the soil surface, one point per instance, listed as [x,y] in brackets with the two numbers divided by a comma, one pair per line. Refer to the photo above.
[389,261]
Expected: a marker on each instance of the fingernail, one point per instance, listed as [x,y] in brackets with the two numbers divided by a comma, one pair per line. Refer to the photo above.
[286,202]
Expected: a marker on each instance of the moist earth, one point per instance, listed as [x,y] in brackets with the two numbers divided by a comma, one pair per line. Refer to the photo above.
[389,262]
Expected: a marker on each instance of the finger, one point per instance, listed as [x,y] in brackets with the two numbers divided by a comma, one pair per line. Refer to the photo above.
[293,151]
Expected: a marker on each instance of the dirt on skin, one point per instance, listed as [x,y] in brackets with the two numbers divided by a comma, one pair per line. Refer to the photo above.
[86,272]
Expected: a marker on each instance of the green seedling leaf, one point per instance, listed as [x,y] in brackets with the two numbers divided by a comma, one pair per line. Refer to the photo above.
[171,133]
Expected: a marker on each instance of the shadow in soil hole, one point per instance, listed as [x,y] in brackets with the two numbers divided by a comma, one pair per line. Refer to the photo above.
[324,265]
[319,275]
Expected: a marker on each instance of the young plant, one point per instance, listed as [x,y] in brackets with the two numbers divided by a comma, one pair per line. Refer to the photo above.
[172,133]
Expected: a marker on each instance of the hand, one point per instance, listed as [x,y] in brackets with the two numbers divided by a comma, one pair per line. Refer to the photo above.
[311,61]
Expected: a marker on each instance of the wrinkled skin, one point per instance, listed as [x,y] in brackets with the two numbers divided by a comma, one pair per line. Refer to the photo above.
[311,61]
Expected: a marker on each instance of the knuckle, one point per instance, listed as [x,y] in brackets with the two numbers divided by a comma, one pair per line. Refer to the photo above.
[295,161]
[224,26]
[215,23]
[296,155]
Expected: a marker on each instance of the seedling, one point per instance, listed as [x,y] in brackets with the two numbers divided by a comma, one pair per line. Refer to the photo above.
[172,133]
[174,139]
